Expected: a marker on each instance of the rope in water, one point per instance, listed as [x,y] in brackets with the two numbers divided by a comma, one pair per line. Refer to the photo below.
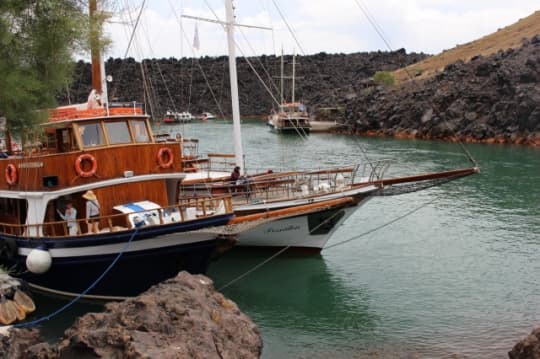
[81,295]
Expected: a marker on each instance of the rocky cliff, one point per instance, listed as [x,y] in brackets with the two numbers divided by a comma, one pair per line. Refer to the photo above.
[493,99]
[203,84]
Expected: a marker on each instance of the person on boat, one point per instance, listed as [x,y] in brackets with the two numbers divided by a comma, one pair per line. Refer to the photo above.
[235,175]
[70,215]
[235,179]
[92,211]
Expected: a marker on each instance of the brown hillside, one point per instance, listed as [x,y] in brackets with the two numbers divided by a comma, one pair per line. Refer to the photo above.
[505,38]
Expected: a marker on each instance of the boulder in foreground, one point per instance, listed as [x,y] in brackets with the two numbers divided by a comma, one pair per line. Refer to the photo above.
[183,317]
[528,348]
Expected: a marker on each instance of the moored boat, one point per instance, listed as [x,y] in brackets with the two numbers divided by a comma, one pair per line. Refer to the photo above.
[260,192]
[207,116]
[110,151]
[291,117]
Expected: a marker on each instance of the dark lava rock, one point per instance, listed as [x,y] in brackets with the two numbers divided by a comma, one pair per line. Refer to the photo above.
[492,99]
[18,343]
[183,317]
[528,348]
[199,85]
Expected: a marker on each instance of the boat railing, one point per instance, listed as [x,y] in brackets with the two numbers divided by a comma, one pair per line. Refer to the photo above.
[221,161]
[372,171]
[185,210]
[273,186]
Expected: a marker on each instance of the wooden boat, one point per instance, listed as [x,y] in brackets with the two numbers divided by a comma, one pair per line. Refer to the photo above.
[141,234]
[112,152]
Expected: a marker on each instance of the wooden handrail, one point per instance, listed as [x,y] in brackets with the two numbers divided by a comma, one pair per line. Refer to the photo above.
[207,206]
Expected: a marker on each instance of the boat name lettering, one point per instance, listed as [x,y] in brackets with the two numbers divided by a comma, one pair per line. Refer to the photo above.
[285,229]
[31,165]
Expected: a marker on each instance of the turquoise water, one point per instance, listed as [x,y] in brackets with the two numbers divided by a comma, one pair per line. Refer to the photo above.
[458,277]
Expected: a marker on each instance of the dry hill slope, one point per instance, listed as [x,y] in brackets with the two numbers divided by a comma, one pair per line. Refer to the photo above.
[505,38]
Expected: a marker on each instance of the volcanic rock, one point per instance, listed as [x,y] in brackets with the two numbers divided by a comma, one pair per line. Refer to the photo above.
[183,317]
[528,348]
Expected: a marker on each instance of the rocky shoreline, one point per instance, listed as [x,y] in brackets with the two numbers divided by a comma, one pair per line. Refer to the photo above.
[493,99]
[183,317]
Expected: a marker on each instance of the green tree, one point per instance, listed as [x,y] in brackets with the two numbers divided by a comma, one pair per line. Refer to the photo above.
[37,42]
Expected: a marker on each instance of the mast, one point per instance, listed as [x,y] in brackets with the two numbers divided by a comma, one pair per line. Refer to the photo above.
[281,78]
[293,73]
[238,152]
[98,67]
[94,48]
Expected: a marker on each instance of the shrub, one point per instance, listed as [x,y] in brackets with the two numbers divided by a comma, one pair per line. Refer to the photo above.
[383,78]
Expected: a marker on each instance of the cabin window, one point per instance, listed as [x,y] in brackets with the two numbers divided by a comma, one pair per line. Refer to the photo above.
[92,134]
[139,130]
[118,132]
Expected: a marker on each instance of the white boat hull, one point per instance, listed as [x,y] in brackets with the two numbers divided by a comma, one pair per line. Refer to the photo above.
[303,231]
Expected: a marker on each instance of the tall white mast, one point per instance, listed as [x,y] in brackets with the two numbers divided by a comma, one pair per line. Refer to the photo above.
[237,135]
[229,26]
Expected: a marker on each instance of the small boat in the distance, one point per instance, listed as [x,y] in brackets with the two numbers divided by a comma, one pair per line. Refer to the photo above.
[207,116]
[177,117]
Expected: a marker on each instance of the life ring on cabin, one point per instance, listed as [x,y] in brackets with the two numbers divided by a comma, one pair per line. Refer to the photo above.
[11,174]
[165,157]
[79,168]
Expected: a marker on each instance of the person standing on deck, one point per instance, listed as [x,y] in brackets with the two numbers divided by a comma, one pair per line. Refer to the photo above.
[92,211]
[70,215]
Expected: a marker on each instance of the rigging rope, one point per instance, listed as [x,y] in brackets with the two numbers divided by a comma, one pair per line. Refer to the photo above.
[435,109]
[383,225]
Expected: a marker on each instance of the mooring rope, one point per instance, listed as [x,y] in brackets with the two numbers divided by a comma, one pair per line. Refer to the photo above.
[81,295]
[259,265]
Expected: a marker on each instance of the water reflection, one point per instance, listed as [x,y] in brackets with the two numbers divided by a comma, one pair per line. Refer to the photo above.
[297,297]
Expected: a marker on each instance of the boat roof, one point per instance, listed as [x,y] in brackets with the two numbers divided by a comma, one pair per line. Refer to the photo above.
[68,114]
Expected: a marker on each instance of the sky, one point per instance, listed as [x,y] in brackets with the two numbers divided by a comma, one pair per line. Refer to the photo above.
[306,26]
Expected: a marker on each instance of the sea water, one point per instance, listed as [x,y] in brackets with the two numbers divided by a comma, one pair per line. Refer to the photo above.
[448,272]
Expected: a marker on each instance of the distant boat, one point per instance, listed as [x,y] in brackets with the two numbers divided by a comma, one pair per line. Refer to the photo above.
[290,117]
[207,116]
[177,117]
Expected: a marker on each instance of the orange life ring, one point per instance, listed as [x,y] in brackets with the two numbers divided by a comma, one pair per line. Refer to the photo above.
[162,155]
[80,160]
[11,174]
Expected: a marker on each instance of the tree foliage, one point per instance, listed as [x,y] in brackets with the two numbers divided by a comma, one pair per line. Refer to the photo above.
[37,42]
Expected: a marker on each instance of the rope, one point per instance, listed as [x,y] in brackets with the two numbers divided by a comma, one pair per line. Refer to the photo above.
[379,31]
[81,295]
[383,225]
[259,265]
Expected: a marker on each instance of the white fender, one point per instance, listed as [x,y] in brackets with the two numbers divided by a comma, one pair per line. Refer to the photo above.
[38,261]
